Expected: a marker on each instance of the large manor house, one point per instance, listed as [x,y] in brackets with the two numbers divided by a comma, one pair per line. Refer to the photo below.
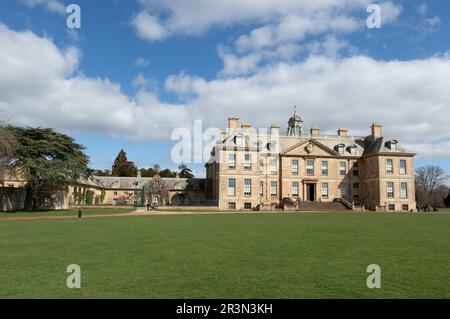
[294,170]
[270,170]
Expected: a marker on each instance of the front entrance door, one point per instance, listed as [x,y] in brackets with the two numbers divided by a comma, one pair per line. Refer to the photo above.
[311,192]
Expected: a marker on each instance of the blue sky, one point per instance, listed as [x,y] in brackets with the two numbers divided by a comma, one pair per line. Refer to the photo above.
[206,60]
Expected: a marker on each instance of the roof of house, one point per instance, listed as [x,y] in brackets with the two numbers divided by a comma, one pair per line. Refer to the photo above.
[111,182]
[362,145]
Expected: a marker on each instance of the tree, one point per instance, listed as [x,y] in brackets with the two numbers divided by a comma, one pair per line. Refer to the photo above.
[185,172]
[156,186]
[447,200]
[150,172]
[431,186]
[102,196]
[123,167]
[100,172]
[8,143]
[89,197]
[167,173]
[49,162]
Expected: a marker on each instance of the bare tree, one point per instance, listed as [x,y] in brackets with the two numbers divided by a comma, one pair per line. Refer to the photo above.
[156,187]
[431,185]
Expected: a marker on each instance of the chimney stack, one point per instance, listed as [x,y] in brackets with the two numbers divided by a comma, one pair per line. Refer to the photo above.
[233,123]
[343,132]
[246,127]
[315,131]
[377,130]
[275,130]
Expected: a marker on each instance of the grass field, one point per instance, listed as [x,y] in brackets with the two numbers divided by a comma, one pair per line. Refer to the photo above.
[320,255]
[65,213]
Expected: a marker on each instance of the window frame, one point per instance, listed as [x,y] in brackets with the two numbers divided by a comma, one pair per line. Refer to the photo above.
[273,167]
[390,194]
[248,162]
[247,187]
[342,171]
[295,168]
[310,171]
[389,170]
[233,193]
[403,170]
[273,186]
[355,169]
[404,191]
[232,164]
[297,194]
[324,168]
[325,190]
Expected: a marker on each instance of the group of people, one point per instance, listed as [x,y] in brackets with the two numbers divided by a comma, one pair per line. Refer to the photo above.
[151,207]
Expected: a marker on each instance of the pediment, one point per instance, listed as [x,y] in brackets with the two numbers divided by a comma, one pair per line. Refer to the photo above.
[309,147]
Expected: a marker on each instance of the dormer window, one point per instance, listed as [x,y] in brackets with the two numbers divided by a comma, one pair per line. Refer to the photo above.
[271,147]
[259,145]
[341,149]
[352,150]
[238,140]
[392,145]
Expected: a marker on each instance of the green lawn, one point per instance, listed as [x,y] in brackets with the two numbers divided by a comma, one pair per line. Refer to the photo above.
[64,213]
[229,256]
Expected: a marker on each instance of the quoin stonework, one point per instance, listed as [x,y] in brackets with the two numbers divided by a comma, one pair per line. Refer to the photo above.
[297,170]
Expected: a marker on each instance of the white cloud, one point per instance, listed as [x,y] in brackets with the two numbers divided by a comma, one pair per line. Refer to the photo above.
[330,47]
[142,62]
[389,12]
[140,81]
[295,27]
[51,5]
[408,97]
[148,27]
[276,20]
[422,8]
[40,85]
[235,65]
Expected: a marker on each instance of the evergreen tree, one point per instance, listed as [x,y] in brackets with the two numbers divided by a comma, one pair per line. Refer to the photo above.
[185,172]
[167,173]
[123,167]
[49,161]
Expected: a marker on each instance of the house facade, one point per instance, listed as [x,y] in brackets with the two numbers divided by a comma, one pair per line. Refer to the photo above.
[138,191]
[252,169]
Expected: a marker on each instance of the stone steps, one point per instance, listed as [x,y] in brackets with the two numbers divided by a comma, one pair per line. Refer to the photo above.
[322,206]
